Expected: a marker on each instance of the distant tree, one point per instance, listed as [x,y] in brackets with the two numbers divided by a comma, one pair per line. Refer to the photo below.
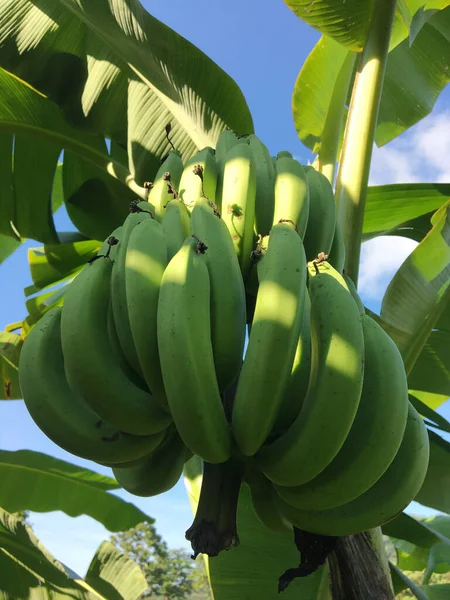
[171,573]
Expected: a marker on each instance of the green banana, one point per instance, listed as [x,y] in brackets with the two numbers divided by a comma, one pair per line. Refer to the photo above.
[322,215]
[273,338]
[105,247]
[90,363]
[291,193]
[376,433]
[336,256]
[265,182]
[176,226]
[228,311]
[284,154]
[299,379]
[184,341]
[226,140]
[351,286]
[265,504]
[384,500]
[192,186]
[238,201]
[334,390]
[118,291]
[159,194]
[145,261]
[119,356]
[158,473]
[60,413]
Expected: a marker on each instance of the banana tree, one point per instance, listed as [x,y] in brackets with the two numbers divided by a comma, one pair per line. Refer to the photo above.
[81,76]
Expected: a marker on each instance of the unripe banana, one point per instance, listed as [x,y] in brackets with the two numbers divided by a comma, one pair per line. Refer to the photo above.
[298,384]
[291,193]
[119,355]
[228,314]
[184,341]
[60,413]
[158,473]
[376,433]
[227,139]
[284,154]
[334,390]
[176,226]
[336,256]
[118,291]
[265,505]
[265,182]
[145,261]
[384,500]
[273,338]
[238,201]
[107,247]
[159,194]
[91,366]
[191,185]
[322,215]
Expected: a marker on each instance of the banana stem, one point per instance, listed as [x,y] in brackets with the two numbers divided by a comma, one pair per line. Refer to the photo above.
[334,122]
[353,175]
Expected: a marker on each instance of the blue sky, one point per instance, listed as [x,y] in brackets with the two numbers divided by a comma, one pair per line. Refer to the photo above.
[262,46]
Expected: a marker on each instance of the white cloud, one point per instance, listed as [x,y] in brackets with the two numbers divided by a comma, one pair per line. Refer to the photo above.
[380,259]
[420,154]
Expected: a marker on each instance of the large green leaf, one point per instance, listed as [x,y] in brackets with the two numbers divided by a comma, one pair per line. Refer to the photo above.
[10,346]
[434,419]
[34,574]
[417,296]
[431,373]
[437,592]
[348,22]
[251,570]
[8,245]
[114,575]
[415,76]
[435,491]
[54,484]
[25,111]
[434,401]
[116,70]
[96,202]
[28,570]
[416,532]
[313,92]
[53,262]
[98,187]
[427,547]
[389,208]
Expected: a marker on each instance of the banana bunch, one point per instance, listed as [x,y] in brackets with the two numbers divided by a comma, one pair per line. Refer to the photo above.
[217,321]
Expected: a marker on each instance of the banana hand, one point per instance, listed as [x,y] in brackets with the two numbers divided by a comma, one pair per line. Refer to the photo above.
[334,390]
[184,341]
[376,433]
[62,414]
[273,338]
[90,363]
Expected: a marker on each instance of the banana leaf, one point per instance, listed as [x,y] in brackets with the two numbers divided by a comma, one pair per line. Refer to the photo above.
[116,71]
[416,73]
[54,484]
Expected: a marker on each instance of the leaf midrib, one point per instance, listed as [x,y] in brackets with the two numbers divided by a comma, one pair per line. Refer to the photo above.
[57,476]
